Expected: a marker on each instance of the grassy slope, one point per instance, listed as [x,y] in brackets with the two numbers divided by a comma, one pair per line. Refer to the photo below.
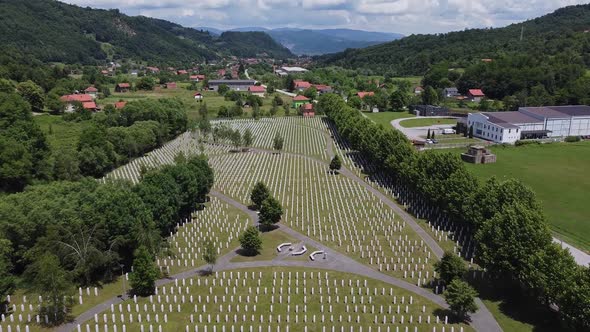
[60,133]
[384,118]
[423,122]
[556,172]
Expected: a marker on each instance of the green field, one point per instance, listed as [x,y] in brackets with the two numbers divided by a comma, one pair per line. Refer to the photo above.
[60,133]
[425,122]
[557,173]
[385,118]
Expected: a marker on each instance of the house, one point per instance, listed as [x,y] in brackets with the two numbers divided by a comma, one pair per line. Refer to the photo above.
[153,70]
[122,87]
[451,92]
[429,110]
[307,110]
[120,104]
[221,72]
[257,90]
[134,72]
[418,90]
[92,91]
[363,94]
[181,72]
[300,85]
[197,78]
[475,95]
[321,89]
[487,60]
[300,100]
[70,101]
[198,96]
[171,85]
[478,155]
[235,85]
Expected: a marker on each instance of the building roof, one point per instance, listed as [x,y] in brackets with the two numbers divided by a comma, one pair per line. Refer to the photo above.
[476,93]
[558,111]
[511,117]
[321,87]
[232,82]
[89,105]
[120,104]
[418,88]
[256,88]
[294,69]
[363,94]
[300,98]
[451,90]
[307,107]
[124,85]
[91,89]
[71,98]
[302,84]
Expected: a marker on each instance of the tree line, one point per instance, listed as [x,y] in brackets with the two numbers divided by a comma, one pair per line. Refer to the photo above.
[84,233]
[512,236]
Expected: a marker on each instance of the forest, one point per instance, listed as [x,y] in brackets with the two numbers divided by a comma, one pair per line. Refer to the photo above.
[524,259]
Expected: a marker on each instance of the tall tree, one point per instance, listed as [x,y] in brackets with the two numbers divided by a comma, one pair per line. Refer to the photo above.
[259,194]
[210,254]
[270,212]
[144,275]
[250,241]
[277,142]
[248,138]
[450,267]
[461,298]
[335,163]
[429,96]
[32,93]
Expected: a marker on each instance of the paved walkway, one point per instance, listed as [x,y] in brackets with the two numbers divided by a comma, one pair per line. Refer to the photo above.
[581,257]
[416,132]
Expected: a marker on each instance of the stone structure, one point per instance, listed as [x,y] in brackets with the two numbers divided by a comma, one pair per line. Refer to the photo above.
[478,155]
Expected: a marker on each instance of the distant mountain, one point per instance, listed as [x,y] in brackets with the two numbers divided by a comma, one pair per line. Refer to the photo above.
[563,31]
[323,41]
[213,31]
[53,31]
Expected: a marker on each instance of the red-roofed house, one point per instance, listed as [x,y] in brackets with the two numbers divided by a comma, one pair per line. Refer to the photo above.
[198,96]
[91,90]
[171,85]
[475,95]
[363,94]
[307,110]
[153,70]
[300,100]
[70,100]
[322,88]
[257,90]
[418,90]
[301,85]
[122,87]
[197,78]
[182,72]
[221,72]
[120,104]
[90,105]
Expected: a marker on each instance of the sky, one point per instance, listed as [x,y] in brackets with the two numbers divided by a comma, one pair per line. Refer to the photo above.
[400,16]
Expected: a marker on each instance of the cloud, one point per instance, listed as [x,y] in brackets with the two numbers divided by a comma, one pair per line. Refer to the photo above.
[404,16]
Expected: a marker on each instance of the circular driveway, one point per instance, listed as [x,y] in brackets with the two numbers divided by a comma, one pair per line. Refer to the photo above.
[418,133]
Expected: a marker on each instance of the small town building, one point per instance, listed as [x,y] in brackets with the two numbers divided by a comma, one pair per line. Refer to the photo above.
[429,110]
[153,70]
[321,88]
[307,110]
[284,71]
[120,104]
[171,85]
[198,96]
[301,86]
[418,90]
[478,155]
[70,101]
[300,100]
[451,92]
[257,90]
[197,78]
[235,85]
[182,72]
[122,87]
[363,94]
[475,95]
[92,91]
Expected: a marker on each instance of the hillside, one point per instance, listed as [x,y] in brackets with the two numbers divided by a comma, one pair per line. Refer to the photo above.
[56,32]
[251,44]
[548,35]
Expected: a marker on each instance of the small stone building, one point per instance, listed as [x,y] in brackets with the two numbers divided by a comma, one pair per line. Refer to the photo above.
[478,155]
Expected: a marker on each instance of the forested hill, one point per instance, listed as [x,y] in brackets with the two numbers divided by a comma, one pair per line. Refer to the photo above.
[57,32]
[551,34]
[248,44]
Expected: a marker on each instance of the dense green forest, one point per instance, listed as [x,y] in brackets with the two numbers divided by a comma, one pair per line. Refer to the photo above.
[251,44]
[56,32]
[523,259]
[553,34]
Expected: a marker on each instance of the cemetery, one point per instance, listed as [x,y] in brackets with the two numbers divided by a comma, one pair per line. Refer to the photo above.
[305,277]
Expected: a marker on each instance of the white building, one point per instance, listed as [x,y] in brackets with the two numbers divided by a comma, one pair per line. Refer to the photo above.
[530,123]
[284,71]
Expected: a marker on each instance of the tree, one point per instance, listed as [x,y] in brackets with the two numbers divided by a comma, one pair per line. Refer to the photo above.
[432,134]
[470,131]
[311,93]
[461,298]
[222,89]
[450,267]
[273,110]
[355,102]
[250,241]
[429,96]
[144,275]
[32,93]
[7,281]
[47,278]
[398,100]
[145,83]
[210,254]
[248,138]
[259,194]
[277,100]
[270,212]
[335,164]
[277,142]
[236,138]
[287,109]
[428,135]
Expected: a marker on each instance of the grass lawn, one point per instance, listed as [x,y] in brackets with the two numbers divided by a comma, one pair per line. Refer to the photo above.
[60,133]
[385,118]
[556,172]
[424,122]
[270,242]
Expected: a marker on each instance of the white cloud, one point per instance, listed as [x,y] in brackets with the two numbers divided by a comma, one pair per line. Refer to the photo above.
[404,16]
